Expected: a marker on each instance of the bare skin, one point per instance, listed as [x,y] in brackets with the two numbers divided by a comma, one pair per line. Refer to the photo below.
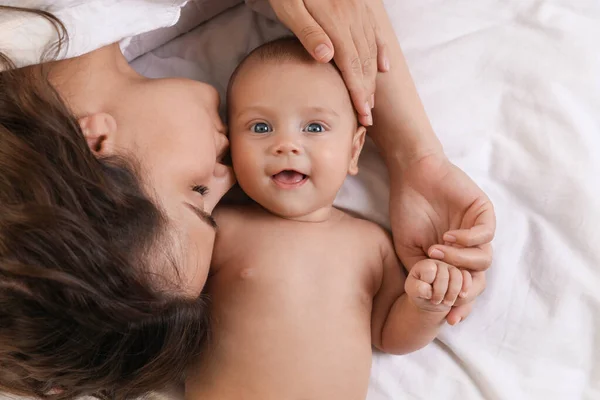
[300,290]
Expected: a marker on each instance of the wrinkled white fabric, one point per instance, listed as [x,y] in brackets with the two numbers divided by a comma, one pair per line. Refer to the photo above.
[513,91]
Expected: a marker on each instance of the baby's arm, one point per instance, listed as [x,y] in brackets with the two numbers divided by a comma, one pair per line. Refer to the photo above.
[409,312]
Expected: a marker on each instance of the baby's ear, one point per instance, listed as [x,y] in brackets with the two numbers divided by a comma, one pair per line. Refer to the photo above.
[99,130]
[357,144]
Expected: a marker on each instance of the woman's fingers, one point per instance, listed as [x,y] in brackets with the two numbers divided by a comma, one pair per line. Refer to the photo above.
[471,258]
[477,287]
[369,57]
[467,283]
[475,236]
[348,33]
[383,62]
[345,26]
[458,314]
[482,219]
[298,19]
[350,64]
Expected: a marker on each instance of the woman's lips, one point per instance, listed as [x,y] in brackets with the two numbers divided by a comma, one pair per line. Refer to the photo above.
[289,179]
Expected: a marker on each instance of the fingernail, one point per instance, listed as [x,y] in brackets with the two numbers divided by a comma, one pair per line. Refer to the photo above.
[322,51]
[462,294]
[367,110]
[449,238]
[369,120]
[435,253]
[373,101]
[386,64]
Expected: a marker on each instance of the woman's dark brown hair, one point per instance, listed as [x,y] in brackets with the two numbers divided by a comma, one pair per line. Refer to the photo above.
[79,312]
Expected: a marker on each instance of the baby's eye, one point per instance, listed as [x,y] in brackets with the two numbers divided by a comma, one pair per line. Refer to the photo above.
[261,127]
[314,128]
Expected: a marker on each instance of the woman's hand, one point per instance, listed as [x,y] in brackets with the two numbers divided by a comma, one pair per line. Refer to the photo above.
[438,212]
[344,30]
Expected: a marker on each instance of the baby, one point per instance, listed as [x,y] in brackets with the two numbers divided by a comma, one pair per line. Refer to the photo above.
[300,291]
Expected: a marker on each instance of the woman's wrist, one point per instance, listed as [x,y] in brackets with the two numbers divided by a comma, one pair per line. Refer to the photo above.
[401,129]
[400,150]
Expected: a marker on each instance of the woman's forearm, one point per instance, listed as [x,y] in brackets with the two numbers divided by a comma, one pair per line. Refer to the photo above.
[401,128]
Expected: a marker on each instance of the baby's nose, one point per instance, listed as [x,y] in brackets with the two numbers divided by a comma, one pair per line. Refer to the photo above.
[286,146]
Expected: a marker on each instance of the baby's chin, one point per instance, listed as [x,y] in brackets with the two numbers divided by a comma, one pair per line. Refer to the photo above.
[301,212]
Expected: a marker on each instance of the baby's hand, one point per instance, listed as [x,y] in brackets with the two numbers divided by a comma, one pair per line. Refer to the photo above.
[433,285]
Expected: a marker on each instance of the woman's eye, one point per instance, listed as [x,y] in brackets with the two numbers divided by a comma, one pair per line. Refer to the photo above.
[201,189]
[261,127]
[314,128]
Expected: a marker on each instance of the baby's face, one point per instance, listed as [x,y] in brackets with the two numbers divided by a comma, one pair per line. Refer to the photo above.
[294,136]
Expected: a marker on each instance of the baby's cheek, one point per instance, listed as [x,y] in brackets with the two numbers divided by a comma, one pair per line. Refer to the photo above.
[333,165]
[249,177]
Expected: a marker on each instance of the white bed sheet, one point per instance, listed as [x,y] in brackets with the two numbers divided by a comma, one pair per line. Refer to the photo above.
[513,90]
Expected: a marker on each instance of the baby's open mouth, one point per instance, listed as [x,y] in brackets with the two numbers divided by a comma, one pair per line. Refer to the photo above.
[289,179]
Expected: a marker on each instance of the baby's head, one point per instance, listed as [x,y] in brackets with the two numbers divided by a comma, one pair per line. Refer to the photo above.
[293,130]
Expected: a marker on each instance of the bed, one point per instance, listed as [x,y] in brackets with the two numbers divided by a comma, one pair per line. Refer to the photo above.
[513,90]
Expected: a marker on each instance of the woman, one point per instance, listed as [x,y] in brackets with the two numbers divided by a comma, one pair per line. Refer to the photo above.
[107,181]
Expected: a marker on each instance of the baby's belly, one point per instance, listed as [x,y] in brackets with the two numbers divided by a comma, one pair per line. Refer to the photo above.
[286,341]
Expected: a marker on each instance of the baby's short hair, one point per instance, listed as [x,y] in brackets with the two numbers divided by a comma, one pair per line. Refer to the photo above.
[282,50]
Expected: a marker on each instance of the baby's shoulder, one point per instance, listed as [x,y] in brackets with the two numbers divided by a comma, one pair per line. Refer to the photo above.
[232,219]
[233,224]
[362,225]
[235,214]
[368,232]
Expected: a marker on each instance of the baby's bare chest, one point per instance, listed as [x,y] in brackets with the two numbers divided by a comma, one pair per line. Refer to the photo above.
[292,305]
[302,258]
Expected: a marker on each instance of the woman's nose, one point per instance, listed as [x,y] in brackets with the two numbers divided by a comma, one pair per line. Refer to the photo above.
[222,144]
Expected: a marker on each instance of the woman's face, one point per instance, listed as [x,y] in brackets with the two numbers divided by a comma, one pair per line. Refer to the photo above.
[172,127]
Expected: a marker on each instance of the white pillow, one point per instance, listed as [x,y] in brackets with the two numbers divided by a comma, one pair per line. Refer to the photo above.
[193,14]
[263,7]
[91,24]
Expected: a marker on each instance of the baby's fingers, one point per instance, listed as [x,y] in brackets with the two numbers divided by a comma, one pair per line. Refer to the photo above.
[425,270]
[440,285]
[418,289]
[455,285]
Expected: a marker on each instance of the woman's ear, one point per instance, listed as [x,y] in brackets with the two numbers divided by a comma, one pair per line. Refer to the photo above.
[357,144]
[99,130]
